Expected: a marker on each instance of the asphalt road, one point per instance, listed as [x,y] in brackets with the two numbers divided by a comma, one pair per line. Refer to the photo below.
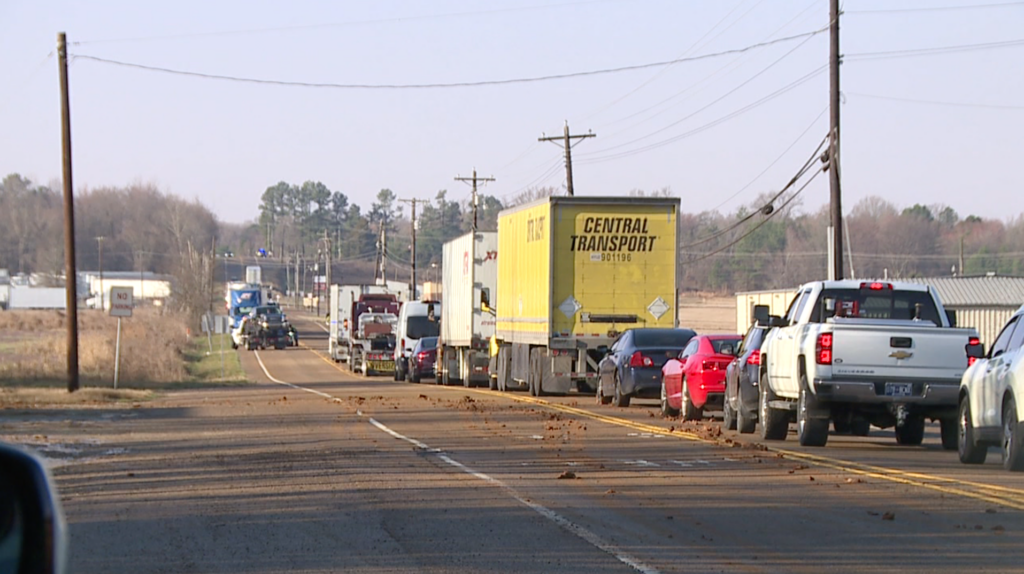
[314,469]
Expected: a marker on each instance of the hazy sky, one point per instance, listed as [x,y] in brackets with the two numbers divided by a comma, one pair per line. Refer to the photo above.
[686,126]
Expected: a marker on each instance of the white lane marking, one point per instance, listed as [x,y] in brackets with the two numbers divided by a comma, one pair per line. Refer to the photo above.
[639,463]
[681,463]
[565,523]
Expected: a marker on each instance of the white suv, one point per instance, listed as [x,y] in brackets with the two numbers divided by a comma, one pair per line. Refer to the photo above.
[992,400]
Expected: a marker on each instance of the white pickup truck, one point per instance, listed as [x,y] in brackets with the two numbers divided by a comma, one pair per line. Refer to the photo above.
[859,354]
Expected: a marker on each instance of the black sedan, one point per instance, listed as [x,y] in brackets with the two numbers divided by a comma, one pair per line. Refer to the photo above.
[741,382]
[632,367]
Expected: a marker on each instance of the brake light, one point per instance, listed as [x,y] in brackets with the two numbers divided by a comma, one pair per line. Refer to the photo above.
[639,360]
[709,366]
[403,345]
[876,286]
[421,356]
[974,350]
[754,358]
[823,349]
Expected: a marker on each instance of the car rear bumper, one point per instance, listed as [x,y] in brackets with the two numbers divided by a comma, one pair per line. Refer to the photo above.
[642,382]
[874,392]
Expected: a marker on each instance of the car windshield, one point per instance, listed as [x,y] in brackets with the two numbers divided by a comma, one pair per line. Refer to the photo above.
[664,338]
[243,310]
[420,326]
[875,304]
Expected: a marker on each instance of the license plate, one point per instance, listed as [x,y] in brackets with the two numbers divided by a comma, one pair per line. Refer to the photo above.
[899,389]
[381,365]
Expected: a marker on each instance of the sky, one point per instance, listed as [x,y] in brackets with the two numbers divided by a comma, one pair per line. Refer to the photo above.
[719,131]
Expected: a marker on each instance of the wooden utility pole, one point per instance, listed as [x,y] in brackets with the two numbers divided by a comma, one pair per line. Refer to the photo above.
[70,267]
[566,140]
[836,204]
[412,280]
[99,241]
[476,200]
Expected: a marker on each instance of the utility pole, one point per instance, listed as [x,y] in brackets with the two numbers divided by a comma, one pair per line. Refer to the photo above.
[836,265]
[99,241]
[567,144]
[70,266]
[382,253]
[413,202]
[476,200]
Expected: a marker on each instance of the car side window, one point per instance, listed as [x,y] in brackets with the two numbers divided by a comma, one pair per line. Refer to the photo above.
[690,349]
[1003,340]
[792,306]
[1017,339]
[800,307]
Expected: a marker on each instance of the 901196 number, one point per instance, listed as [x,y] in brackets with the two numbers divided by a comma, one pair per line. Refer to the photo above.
[616,257]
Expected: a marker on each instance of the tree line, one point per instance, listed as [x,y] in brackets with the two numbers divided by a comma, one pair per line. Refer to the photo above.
[143,228]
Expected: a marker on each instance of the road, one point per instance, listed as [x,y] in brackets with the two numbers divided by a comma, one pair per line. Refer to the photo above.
[313,469]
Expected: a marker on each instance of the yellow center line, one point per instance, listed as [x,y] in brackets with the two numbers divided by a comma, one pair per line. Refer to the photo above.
[1004,496]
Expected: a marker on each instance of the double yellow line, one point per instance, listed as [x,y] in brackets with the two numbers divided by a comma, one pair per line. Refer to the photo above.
[990,493]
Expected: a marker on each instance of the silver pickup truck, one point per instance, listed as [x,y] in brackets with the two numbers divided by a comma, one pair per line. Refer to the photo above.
[863,353]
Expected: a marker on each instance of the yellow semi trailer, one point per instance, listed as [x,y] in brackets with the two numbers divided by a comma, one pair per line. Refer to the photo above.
[575,272]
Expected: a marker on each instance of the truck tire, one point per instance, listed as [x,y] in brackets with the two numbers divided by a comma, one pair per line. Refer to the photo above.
[911,432]
[666,409]
[810,431]
[774,422]
[745,421]
[690,412]
[1013,453]
[967,446]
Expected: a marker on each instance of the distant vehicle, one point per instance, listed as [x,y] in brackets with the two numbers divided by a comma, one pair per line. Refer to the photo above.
[241,302]
[422,359]
[740,404]
[469,272]
[632,367]
[695,380]
[991,408]
[261,252]
[416,319]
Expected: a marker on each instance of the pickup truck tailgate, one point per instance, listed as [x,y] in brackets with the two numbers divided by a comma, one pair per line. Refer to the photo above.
[894,350]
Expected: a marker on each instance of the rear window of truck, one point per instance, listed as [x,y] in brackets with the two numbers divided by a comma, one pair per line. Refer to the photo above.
[875,304]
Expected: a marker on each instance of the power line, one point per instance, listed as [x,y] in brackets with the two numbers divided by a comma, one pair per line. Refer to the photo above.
[708,125]
[934,51]
[935,102]
[480,83]
[398,19]
[933,8]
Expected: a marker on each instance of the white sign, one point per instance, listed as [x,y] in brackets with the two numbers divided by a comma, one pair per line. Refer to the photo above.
[121,301]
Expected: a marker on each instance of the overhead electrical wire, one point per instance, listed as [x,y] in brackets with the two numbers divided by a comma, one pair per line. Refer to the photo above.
[770,203]
[480,83]
[777,160]
[703,80]
[940,50]
[760,223]
[698,110]
[934,8]
[303,27]
[935,102]
[709,125]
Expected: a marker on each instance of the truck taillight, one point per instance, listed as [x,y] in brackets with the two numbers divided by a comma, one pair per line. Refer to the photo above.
[754,358]
[402,346]
[823,349]
[974,350]
[639,360]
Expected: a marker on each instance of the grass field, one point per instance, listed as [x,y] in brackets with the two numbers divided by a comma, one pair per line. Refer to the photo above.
[157,354]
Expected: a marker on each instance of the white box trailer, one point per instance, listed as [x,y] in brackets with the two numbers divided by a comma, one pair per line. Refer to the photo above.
[469,275]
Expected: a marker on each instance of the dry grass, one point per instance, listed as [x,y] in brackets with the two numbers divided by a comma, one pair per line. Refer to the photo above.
[20,397]
[33,348]
[707,313]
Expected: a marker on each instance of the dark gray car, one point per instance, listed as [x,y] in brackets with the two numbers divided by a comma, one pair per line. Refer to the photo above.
[741,382]
[632,367]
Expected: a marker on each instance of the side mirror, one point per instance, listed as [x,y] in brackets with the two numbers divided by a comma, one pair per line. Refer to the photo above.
[602,349]
[32,530]
[776,321]
[951,317]
[761,314]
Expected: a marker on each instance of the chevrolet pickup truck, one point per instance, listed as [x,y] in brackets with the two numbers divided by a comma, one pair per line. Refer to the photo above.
[863,353]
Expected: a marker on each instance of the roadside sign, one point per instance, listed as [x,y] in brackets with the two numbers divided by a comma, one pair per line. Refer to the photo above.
[121,301]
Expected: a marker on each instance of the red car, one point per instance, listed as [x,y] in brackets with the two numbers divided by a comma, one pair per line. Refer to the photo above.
[702,366]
